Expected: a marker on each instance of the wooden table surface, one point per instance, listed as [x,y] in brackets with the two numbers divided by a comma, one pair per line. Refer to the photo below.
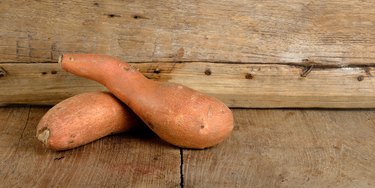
[268,148]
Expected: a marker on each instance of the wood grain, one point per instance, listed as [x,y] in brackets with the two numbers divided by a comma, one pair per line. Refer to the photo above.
[238,85]
[268,148]
[127,160]
[289,148]
[270,31]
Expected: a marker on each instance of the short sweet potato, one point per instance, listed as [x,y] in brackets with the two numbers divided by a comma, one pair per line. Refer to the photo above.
[84,118]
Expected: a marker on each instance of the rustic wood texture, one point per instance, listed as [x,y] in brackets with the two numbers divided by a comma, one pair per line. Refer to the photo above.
[268,148]
[277,31]
[289,148]
[126,160]
[240,85]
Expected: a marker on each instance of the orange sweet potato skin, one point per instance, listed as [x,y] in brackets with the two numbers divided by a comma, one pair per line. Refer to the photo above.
[84,118]
[179,115]
[194,120]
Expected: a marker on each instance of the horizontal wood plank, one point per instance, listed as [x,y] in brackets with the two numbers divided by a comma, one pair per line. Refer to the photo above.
[238,85]
[137,159]
[270,31]
[289,148]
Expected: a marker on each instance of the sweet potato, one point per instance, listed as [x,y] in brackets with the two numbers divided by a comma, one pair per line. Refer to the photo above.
[84,118]
[179,115]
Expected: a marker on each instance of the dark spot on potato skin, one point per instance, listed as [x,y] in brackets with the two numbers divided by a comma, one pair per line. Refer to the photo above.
[202,126]
[73,136]
[70,141]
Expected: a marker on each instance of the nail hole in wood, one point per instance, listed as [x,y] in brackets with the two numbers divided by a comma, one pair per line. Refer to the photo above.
[113,15]
[360,78]
[53,72]
[157,71]
[207,72]
[249,76]
[140,17]
[96,4]
[44,73]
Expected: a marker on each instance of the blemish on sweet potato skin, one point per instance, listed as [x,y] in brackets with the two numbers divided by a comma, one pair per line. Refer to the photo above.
[43,135]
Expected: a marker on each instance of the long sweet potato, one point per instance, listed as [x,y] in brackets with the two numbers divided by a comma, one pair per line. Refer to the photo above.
[179,115]
[84,118]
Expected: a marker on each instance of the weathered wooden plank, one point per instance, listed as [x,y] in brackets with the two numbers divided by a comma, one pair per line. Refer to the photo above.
[253,31]
[238,85]
[125,160]
[289,148]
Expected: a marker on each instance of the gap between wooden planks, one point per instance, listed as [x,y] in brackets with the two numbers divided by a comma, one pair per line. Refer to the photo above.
[289,148]
[268,148]
[238,85]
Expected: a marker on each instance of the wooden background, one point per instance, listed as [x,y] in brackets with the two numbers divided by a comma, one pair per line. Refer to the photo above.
[279,53]
[257,54]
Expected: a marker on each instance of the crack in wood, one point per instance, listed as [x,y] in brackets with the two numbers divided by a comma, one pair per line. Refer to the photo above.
[3,72]
[24,128]
[306,71]
[303,64]
[328,88]
[182,168]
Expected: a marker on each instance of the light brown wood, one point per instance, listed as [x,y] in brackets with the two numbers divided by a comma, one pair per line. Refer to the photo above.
[127,160]
[238,85]
[239,34]
[270,31]
[289,148]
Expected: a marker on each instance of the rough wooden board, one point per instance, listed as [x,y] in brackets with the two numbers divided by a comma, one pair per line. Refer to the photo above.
[125,160]
[289,148]
[238,85]
[270,31]
[40,84]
